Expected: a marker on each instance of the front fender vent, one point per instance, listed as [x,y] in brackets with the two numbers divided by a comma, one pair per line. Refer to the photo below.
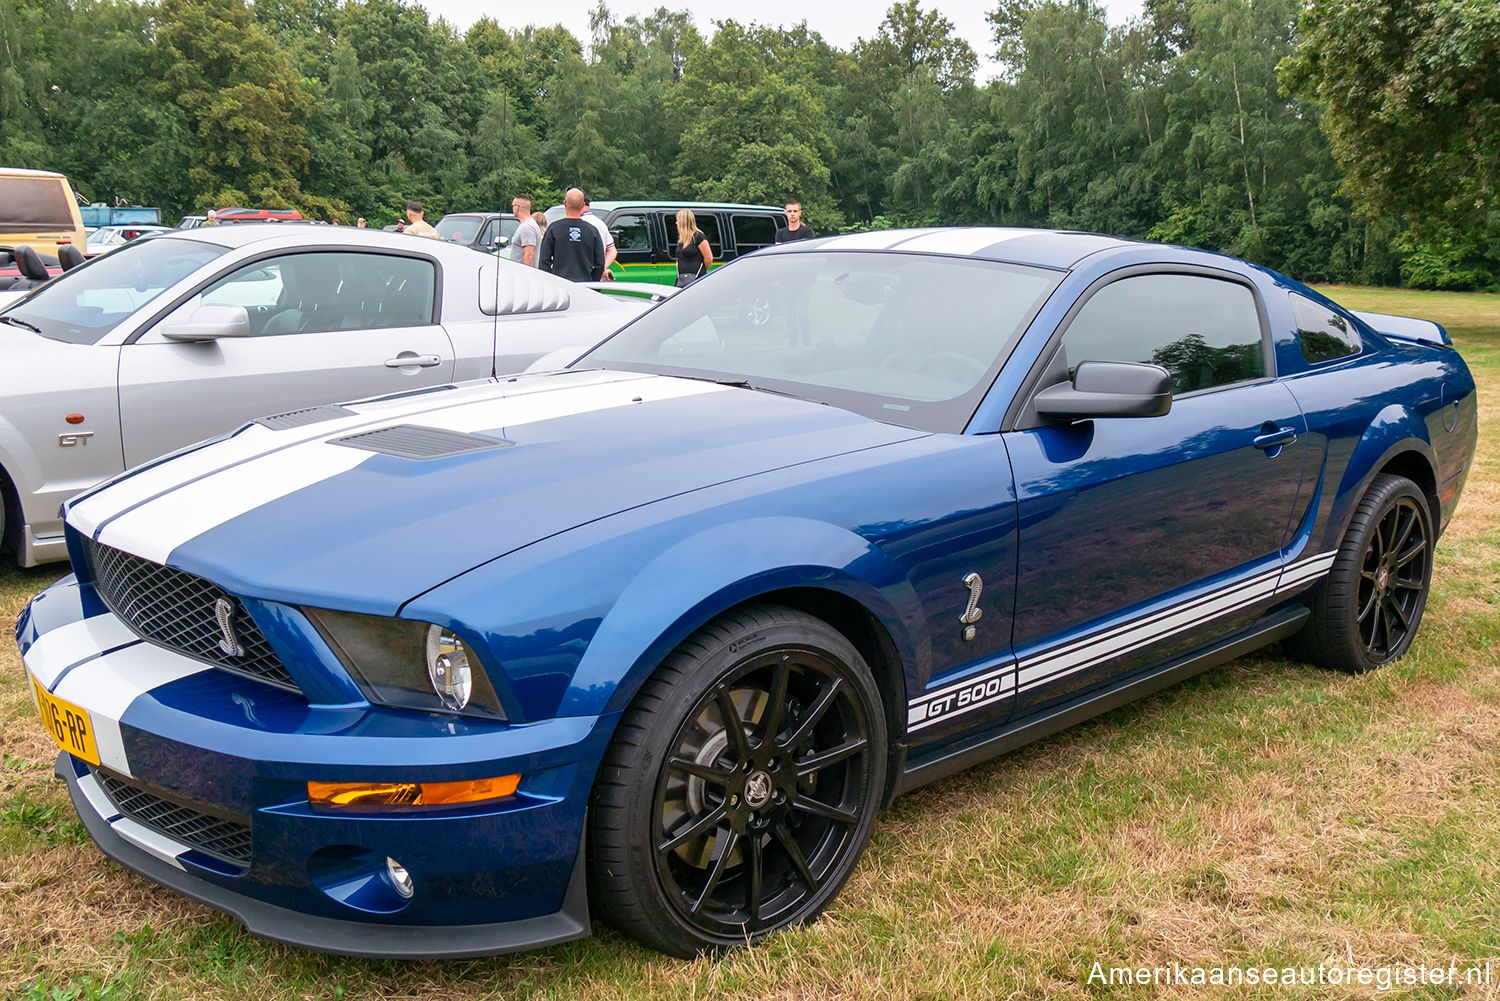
[412,441]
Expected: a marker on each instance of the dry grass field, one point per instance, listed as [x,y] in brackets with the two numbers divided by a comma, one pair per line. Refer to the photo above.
[1265,814]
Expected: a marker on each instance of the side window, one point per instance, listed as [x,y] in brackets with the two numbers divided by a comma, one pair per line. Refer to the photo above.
[707,224]
[1323,334]
[312,293]
[487,238]
[1205,331]
[630,233]
[751,232]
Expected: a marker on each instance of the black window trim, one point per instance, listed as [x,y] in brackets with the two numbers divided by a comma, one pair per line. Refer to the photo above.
[1016,415]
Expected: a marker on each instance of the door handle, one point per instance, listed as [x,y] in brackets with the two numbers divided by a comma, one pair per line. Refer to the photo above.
[408,359]
[1275,438]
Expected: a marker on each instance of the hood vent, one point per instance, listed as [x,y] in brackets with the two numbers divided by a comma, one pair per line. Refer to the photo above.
[302,418]
[411,441]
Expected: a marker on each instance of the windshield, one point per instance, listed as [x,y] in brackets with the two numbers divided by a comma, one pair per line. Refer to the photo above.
[459,228]
[84,304]
[908,339]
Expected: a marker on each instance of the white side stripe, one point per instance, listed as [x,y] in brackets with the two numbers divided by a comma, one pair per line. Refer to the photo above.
[1057,662]
[148,840]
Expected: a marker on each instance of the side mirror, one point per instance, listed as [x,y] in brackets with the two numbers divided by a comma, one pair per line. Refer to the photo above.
[209,323]
[1108,389]
[501,242]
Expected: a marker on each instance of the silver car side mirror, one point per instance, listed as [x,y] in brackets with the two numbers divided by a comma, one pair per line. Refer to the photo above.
[209,323]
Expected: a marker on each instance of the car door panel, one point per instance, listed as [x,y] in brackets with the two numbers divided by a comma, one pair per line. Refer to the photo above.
[1138,533]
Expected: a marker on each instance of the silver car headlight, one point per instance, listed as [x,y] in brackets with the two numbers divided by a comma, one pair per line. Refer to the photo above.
[409,664]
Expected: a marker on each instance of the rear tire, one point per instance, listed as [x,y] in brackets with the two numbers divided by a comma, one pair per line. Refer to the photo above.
[741,786]
[1368,609]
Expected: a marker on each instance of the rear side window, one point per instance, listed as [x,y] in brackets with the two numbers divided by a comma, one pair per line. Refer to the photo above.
[1323,334]
[751,232]
[708,225]
[33,203]
[630,232]
[1205,331]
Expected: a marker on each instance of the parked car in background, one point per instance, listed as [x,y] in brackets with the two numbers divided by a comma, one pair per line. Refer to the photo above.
[191,221]
[38,209]
[237,215]
[23,269]
[97,214]
[652,639]
[107,238]
[645,233]
[168,340]
[486,231]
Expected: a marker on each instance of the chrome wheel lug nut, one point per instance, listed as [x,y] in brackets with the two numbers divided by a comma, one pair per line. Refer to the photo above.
[734,800]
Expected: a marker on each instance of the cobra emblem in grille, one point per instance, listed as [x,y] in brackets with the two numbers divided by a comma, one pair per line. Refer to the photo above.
[184,613]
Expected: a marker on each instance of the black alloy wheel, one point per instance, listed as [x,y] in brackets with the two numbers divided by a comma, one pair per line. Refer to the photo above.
[742,785]
[1367,612]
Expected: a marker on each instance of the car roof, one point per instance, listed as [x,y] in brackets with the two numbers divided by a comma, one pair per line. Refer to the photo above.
[298,234]
[481,215]
[1041,247]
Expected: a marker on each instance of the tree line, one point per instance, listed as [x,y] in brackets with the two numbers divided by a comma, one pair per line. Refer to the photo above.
[1338,140]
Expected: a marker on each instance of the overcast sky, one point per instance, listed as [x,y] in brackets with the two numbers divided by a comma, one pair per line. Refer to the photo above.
[839,23]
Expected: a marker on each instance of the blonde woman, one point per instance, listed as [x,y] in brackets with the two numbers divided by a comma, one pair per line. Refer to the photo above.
[693,253]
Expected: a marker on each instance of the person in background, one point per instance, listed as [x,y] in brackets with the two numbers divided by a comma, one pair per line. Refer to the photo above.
[360,222]
[795,228]
[571,248]
[528,235]
[540,218]
[416,225]
[610,253]
[694,255]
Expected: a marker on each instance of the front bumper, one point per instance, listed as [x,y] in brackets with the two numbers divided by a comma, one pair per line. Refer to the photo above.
[327,934]
[188,752]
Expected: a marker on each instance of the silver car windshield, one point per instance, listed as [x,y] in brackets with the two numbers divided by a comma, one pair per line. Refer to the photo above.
[909,339]
[86,303]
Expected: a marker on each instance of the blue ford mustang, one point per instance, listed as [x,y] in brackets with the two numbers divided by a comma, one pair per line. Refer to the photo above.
[654,637]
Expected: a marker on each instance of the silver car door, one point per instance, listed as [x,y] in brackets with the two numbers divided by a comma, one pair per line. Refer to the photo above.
[317,327]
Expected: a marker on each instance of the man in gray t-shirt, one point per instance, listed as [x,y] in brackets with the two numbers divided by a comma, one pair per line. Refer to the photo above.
[528,235]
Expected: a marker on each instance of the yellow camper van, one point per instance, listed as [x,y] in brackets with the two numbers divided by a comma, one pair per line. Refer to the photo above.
[37,208]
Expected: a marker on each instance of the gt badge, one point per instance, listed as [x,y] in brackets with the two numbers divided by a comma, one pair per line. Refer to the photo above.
[973,613]
[224,616]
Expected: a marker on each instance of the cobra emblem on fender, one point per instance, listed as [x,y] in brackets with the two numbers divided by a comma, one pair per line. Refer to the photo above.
[973,613]
[224,616]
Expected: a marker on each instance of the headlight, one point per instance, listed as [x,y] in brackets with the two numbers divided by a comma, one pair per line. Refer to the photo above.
[411,665]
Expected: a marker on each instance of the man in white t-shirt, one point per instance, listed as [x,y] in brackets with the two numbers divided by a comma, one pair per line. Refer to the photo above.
[527,236]
[610,253]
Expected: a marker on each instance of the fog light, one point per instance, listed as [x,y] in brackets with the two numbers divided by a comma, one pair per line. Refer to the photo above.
[400,878]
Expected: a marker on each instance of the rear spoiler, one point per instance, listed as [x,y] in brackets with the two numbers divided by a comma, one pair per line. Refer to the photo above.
[1407,328]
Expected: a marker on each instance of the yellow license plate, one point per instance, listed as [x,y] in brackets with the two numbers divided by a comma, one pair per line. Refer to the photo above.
[69,725]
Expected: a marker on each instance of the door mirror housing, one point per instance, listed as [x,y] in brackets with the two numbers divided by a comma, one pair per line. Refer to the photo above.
[1108,389]
[209,323]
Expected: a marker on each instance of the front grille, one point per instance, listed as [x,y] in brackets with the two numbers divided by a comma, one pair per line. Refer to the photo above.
[223,839]
[176,609]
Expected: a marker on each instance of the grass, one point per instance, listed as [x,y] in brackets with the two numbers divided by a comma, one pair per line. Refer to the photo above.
[1263,814]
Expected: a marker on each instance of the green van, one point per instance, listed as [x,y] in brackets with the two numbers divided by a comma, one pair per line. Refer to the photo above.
[645,233]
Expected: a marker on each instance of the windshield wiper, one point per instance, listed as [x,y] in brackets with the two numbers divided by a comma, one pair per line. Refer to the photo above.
[21,323]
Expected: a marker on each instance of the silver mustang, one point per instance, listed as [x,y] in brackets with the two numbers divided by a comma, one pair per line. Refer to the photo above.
[182,336]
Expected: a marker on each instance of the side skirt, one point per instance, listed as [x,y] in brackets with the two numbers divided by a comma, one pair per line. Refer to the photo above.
[1278,625]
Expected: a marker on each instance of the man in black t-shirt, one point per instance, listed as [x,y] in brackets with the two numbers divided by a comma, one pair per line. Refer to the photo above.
[571,247]
[794,229]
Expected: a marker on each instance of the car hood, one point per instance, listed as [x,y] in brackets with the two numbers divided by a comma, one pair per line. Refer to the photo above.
[335,507]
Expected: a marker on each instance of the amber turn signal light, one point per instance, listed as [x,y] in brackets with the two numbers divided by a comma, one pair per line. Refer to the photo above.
[363,795]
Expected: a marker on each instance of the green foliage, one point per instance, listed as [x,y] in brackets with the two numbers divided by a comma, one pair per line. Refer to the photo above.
[1173,127]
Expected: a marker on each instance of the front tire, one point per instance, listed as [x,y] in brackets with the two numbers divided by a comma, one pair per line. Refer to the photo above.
[741,785]
[1367,612]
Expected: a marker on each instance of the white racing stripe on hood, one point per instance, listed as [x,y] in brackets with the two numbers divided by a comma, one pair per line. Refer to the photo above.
[107,685]
[157,527]
[88,514]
